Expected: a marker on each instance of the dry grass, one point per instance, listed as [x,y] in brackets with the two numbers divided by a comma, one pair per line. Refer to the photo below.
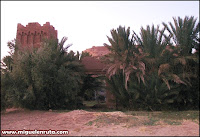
[136,118]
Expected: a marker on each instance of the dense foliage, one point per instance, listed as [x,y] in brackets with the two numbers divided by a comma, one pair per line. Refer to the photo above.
[91,85]
[45,78]
[154,70]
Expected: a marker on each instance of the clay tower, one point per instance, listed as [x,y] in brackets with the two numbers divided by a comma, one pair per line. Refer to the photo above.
[33,34]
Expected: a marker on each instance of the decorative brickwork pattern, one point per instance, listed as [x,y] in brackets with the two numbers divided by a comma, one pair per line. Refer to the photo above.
[33,34]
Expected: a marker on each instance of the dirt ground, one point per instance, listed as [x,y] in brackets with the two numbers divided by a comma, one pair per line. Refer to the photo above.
[85,123]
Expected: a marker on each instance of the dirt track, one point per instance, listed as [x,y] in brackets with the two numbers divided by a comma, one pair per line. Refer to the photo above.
[84,123]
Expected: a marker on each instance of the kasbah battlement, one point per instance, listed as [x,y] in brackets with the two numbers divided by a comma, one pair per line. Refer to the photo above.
[33,34]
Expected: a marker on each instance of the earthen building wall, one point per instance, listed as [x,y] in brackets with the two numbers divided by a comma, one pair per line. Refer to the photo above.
[33,34]
[97,51]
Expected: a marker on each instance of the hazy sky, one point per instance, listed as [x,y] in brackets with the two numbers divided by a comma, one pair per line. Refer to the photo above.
[87,23]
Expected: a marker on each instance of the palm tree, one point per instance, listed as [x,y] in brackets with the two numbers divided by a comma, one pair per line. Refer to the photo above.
[161,60]
[185,33]
[125,57]
[60,77]
[124,61]
[160,54]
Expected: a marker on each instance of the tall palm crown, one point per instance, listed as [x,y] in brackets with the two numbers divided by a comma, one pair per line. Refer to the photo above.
[153,42]
[185,33]
[125,56]
[160,55]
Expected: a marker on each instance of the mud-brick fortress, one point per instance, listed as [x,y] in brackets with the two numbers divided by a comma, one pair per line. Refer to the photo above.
[33,34]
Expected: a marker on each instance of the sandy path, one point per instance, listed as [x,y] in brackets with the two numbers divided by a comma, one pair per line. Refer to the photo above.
[77,123]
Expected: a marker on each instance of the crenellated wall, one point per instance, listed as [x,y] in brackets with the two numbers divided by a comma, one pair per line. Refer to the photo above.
[33,34]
